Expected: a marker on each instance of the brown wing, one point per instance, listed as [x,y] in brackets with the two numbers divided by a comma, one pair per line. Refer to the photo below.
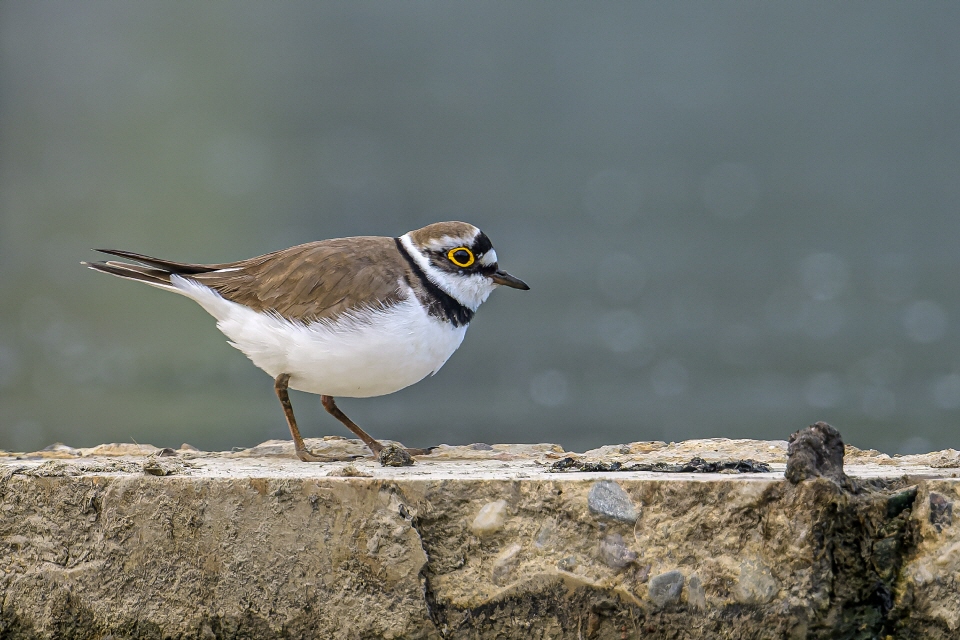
[315,280]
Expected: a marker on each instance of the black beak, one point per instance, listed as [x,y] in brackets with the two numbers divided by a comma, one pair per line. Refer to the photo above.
[507,280]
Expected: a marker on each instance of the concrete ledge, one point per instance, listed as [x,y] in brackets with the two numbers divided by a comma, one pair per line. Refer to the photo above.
[474,542]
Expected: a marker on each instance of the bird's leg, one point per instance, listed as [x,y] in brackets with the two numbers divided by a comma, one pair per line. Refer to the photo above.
[280,386]
[391,456]
[334,410]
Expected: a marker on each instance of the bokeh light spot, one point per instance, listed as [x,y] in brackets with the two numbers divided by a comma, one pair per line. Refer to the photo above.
[620,331]
[925,321]
[549,388]
[946,391]
[824,276]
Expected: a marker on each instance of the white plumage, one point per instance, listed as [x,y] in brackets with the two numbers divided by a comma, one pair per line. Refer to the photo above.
[369,353]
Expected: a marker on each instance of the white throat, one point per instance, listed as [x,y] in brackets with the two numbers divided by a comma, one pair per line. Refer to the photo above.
[469,290]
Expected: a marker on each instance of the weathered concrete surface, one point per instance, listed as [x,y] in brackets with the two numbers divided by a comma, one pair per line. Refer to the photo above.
[474,542]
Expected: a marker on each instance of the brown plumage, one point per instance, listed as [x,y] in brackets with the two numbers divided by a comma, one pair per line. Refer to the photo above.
[316,284]
[439,229]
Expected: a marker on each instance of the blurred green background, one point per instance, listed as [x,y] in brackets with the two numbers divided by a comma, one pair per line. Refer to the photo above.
[737,218]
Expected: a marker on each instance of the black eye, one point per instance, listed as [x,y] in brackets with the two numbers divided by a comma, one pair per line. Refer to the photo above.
[461,256]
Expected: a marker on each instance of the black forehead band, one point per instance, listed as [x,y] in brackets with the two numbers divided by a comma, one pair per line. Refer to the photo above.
[482,243]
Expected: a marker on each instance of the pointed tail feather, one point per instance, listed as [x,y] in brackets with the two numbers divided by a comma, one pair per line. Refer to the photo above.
[181,268]
[148,275]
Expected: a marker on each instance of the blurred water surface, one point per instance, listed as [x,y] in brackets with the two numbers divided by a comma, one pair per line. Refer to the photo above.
[737,218]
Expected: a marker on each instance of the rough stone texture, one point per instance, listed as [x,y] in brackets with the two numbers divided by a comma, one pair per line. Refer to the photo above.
[815,452]
[128,542]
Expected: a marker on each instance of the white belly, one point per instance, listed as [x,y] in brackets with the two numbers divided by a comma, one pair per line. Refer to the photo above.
[350,358]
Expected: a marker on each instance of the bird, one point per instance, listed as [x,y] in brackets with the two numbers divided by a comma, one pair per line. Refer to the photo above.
[349,317]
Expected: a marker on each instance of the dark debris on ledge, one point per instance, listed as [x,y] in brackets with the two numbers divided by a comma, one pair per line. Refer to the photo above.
[695,465]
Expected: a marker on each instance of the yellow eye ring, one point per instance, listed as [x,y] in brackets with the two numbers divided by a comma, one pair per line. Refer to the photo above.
[456,256]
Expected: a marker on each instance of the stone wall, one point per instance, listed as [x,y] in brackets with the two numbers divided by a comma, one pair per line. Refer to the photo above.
[476,542]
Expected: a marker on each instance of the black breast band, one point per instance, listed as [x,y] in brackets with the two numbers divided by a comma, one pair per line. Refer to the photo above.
[438,302]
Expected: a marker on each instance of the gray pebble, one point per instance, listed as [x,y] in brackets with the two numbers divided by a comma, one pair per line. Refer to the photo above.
[941,511]
[544,535]
[157,466]
[665,588]
[505,563]
[642,574]
[696,596]
[609,500]
[756,585]
[614,552]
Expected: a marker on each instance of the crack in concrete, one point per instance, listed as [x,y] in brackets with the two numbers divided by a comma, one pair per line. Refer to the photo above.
[429,597]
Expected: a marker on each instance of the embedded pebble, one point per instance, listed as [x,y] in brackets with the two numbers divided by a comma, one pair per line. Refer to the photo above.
[609,500]
[941,511]
[544,535]
[156,466]
[756,585]
[568,564]
[642,574]
[504,564]
[614,552]
[490,518]
[696,596]
[348,471]
[665,588]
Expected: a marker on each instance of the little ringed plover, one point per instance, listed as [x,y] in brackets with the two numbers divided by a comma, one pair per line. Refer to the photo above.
[353,317]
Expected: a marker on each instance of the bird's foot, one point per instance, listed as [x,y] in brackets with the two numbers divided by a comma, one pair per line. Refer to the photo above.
[307,456]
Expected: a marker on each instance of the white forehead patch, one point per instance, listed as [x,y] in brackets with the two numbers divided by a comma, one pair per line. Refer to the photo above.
[489,258]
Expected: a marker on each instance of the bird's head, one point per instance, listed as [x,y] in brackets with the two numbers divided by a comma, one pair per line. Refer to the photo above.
[460,259]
